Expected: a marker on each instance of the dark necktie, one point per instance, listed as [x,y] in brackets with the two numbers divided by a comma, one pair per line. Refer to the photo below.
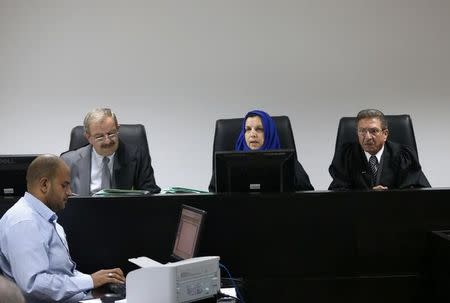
[106,174]
[373,162]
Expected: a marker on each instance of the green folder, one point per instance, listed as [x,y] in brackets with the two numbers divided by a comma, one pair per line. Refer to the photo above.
[120,192]
[182,190]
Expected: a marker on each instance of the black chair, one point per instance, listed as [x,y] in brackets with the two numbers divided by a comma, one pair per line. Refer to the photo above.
[227,132]
[129,133]
[400,131]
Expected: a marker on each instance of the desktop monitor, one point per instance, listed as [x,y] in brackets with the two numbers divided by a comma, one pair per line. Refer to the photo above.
[188,232]
[13,171]
[255,171]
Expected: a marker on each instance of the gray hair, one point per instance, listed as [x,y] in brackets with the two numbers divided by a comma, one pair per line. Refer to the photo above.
[372,113]
[9,292]
[98,115]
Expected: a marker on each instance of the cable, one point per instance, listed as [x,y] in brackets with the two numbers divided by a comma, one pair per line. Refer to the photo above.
[239,296]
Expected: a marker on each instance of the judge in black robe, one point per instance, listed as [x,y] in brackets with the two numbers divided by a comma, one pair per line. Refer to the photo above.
[261,134]
[399,168]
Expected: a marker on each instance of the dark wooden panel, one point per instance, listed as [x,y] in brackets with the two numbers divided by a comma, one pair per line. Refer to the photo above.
[318,246]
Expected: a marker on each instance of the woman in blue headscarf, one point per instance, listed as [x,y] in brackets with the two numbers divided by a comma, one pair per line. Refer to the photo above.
[259,132]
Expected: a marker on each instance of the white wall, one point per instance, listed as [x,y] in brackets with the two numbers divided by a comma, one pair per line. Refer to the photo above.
[177,66]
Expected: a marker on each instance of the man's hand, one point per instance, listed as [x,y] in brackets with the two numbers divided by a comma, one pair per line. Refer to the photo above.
[379,187]
[104,276]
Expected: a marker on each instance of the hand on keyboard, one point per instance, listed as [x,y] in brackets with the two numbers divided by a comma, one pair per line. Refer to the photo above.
[117,288]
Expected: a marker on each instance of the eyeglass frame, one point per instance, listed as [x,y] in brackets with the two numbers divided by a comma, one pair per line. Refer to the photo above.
[375,131]
[103,137]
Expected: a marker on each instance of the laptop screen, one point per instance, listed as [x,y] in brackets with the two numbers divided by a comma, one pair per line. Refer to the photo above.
[188,232]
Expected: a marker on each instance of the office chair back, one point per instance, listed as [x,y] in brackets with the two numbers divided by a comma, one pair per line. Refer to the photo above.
[227,132]
[129,133]
[400,131]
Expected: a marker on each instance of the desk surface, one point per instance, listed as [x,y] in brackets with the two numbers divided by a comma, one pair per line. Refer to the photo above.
[313,245]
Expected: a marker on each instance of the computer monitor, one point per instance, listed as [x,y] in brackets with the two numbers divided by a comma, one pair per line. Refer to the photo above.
[13,171]
[255,171]
[188,232]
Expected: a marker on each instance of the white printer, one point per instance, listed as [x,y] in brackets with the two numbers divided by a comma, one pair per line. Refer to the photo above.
[183,281]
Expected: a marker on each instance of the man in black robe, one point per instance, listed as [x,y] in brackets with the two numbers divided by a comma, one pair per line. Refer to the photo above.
[374,162]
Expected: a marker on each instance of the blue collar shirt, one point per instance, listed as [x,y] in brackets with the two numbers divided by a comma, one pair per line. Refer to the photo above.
[34,253]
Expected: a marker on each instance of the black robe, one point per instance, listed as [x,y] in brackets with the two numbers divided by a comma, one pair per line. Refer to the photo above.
[301,181]
[399,168]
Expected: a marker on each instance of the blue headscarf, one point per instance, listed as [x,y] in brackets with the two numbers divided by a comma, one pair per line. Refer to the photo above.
[271,140]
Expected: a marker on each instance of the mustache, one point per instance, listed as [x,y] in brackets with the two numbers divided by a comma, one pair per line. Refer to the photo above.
[108,145]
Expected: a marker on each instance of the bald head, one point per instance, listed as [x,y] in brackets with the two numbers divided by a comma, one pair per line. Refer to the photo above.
[44,166]
[48,179]
[9,292]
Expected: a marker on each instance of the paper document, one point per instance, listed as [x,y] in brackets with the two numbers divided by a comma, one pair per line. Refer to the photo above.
[182,190]
[120,192]
[144,262]
[229,291]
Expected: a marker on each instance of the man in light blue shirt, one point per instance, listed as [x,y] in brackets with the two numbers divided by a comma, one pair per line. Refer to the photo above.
[33,247]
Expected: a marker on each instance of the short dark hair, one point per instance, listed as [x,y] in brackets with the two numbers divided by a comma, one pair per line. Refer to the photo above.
[372,113]
[43,166]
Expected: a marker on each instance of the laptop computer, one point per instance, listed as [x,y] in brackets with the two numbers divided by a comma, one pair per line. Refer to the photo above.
[185,245]
[188,232]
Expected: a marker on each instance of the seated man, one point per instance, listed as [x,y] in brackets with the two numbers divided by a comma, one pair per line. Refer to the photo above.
[259,132]
[33,248]
[374,162]
[107,162]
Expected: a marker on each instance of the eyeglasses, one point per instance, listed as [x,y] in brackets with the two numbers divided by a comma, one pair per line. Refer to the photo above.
[102,138]
[372,131]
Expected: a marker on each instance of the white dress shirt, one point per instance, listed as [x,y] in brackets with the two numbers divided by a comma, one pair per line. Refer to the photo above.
[378,155]
[96,170]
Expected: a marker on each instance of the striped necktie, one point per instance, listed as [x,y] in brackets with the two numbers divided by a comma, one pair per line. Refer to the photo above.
[373,163]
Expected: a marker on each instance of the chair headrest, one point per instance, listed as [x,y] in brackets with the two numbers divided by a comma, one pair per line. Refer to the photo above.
[129,133]
[227,132]
[400,131]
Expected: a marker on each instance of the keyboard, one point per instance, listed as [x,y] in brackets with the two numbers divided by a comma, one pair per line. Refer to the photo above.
[117,288]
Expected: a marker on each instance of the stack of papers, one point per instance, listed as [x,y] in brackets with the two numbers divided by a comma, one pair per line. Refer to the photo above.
[182,190]
[120,192]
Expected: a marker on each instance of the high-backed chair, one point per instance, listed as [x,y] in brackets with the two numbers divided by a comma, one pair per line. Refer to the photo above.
[400,131]
[227,132]
[129,133]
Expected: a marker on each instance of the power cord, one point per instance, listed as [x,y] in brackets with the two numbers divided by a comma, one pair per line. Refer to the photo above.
[233,282]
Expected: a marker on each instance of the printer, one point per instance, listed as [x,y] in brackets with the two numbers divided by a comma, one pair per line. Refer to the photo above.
[183,281]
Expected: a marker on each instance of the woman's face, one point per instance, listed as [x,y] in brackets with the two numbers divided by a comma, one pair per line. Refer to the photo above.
[254,132]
